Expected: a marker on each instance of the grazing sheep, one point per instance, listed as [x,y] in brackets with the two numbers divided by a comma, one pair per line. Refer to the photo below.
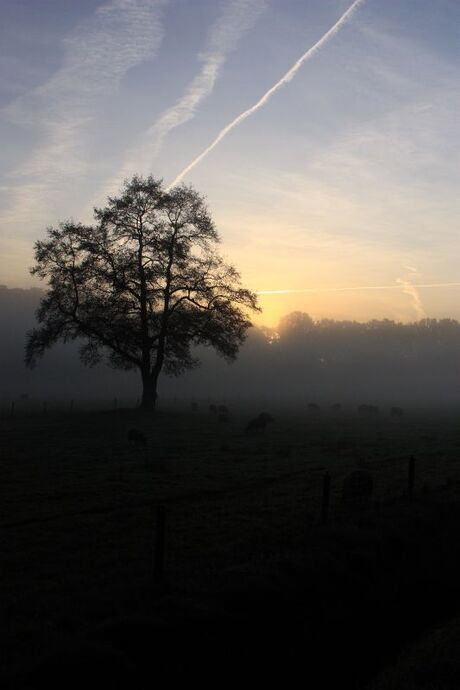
[368,411]
[136,438]
[357,490]
[397,412]
[259,423]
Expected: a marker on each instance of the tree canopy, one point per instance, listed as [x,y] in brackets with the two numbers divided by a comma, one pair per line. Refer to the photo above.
[141,286]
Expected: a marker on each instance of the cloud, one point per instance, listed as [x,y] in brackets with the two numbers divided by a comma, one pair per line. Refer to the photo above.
[237,17]
[410,289]
[285,79]
[97,54]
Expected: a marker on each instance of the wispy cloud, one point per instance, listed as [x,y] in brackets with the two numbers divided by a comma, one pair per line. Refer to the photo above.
[285,79]
[97,55]
[409,288]
[238,16]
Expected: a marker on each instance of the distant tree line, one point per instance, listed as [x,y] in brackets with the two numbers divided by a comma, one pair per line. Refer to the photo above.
[374,359]
[315,361]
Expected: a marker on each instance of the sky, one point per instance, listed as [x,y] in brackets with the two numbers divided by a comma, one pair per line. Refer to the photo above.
[338,196]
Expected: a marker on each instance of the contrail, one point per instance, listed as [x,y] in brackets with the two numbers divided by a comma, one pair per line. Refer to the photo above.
[410,289]
[237,18]
[290,74]
[402,286]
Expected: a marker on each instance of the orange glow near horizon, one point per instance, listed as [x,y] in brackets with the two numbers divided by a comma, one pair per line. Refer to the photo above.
[358,306]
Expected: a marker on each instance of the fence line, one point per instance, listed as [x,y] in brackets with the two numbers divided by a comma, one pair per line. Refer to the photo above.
[407,491]
[321,497]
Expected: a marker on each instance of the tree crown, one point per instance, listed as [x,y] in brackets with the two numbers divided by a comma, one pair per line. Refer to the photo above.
[143,284]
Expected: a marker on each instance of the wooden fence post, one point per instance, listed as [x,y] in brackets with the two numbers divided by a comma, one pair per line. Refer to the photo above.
[411,479]
[159,547]
[326,498]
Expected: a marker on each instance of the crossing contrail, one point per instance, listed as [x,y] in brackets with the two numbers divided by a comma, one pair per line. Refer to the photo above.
[285,79]
[400,286]
[237,17]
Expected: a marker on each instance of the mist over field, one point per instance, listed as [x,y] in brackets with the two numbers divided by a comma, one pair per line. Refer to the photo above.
[230,344]
[302,361]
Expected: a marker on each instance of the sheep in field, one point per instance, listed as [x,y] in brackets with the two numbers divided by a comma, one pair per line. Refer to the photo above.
[259,423]
[368,411]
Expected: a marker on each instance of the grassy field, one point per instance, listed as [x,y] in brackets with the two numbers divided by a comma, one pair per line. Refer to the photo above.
[77,515]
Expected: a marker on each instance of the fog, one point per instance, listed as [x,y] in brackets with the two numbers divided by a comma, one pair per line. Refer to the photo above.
[379,362]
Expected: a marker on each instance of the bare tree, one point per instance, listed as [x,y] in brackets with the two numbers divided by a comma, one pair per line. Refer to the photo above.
[142,286]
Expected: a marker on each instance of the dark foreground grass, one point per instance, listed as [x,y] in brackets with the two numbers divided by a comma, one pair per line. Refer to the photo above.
[251,578]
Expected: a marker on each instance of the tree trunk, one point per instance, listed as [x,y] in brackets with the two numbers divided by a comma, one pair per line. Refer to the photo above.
[149,392]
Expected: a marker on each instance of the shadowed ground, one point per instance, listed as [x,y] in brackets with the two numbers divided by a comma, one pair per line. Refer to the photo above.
[250,575]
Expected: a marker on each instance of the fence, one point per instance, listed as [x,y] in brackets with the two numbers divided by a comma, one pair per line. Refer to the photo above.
[211,530]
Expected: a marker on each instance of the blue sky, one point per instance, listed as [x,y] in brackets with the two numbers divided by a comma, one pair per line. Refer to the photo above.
[347,177]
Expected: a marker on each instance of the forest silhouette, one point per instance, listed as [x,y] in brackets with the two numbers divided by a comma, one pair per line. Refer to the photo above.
[325,361]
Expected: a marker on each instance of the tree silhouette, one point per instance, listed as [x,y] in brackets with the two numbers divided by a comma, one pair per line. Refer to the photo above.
[295,325]
[141,286]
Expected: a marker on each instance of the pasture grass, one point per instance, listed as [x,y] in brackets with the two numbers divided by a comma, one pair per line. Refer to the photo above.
[77,522]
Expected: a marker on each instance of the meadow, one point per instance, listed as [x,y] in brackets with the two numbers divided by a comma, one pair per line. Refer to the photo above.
[244,539]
